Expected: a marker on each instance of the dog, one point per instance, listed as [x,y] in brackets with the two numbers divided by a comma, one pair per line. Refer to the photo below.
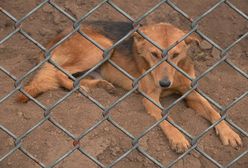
[78,54]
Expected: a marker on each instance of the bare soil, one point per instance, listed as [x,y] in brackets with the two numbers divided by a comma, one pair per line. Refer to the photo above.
[77,113]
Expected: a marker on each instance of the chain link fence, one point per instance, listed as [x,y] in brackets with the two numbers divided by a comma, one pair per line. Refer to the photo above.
[106,115]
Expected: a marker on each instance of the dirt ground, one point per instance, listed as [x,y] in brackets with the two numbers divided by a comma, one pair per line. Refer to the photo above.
[77,113]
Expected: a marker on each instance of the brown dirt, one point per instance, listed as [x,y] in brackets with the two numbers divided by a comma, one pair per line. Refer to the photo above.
[76,113]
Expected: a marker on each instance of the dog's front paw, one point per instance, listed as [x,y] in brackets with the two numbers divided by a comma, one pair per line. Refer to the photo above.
[179,143]
[228,136]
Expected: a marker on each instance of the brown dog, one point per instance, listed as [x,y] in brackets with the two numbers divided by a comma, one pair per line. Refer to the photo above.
[77,55]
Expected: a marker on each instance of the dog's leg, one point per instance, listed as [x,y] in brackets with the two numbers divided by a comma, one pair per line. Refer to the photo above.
[67,83]
[85,84]
[98,83]
[176,139]
[201,105]
[43,81]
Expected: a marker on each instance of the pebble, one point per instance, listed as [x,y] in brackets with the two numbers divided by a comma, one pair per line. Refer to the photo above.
[68,138]
[106,129]
[26,116]
[19,113]
[158,149]
[205,45]
[10,142]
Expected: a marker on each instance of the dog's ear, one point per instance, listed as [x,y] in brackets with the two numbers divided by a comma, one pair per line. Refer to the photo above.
[191,39]
[137,37]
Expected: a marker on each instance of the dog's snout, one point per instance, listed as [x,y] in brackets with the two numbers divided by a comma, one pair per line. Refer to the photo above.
[165,82]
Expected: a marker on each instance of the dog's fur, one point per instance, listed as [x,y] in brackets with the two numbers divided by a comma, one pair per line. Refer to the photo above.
[77,55]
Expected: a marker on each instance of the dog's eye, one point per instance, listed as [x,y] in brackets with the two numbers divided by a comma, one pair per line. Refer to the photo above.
[174,55]
[155,55]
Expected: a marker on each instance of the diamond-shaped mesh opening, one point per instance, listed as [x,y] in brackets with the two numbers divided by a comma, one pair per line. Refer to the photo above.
[43,26]
[20,8]
[47,143]
[135,159]
[224,84]
[18,159]
[19,119]
[6,82]
[204,55]
[6,26]
[237,113]
[132,115]
[189,161]
[133,8]
[212,146]
[78,116]
[76,8]
[201,6]
[14,55]
[165,13]
[106,143]
[238,55]
[204,161]
[201,160]
[7,143]
[227,24]
[241,5]
[241,162]
[76,159]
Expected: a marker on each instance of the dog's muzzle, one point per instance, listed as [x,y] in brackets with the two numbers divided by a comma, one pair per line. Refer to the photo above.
[165,82]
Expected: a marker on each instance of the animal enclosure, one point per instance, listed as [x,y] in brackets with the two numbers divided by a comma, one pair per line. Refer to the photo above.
[77,129]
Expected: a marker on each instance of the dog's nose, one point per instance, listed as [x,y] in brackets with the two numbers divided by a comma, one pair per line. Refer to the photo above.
[165,83]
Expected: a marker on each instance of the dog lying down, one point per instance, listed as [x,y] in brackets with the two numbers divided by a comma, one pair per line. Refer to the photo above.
[78,54]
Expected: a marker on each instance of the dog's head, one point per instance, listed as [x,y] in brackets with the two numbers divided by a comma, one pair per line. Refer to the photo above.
[147,55]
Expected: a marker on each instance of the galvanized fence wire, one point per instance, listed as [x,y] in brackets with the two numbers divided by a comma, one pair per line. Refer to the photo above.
[105,110]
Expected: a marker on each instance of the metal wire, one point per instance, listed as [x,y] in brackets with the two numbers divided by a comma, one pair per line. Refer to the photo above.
[105,110]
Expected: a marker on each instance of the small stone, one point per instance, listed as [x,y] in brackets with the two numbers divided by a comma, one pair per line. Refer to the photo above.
[158,149]
[205,45]
[106,129]
[215,53]
[10,142]
[19,113]
[26,116]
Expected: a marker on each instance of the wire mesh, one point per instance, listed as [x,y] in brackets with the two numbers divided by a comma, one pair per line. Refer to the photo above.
[107,54]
